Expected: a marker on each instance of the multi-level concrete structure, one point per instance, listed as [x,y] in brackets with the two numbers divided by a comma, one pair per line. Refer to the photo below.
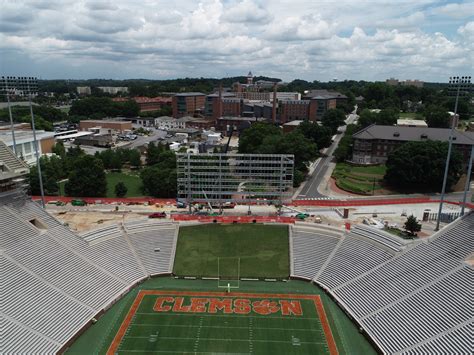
[220,178]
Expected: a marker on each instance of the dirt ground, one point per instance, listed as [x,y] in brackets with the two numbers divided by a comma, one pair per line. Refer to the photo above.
[82,221]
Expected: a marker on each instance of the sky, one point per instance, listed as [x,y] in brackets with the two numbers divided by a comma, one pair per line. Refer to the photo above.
[288,39]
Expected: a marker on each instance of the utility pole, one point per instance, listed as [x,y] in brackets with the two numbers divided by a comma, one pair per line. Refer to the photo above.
[459,82]
[12,126]
[468,181]
[35,141]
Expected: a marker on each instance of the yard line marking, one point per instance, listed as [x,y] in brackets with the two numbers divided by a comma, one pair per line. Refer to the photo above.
[233,339]
[218,326]
[174,352]
[196,343]
[225,315]
[129,319]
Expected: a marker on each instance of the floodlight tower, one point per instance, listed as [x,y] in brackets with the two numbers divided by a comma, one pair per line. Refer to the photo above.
[457,83]
[6,87]
[468,180]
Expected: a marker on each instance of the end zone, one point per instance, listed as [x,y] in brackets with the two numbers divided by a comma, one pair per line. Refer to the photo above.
[235,302]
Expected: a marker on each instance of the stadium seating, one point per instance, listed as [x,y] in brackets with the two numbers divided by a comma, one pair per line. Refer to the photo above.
[154,242]
[311,249]
[353,258]
[13,229]
[17,339]
[390,241]
[409,298]
[57,280]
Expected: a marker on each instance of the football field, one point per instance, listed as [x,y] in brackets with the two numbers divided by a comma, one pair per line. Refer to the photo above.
[261,250]
[170,322]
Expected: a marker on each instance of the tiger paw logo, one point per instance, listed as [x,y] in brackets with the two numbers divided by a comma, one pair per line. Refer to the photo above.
[265,307]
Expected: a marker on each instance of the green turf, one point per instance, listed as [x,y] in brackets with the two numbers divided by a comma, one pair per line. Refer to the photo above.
[97,339]
[131,180]
[360,179]
[262,249]
[411,115]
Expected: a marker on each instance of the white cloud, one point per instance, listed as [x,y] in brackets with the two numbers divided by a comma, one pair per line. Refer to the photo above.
[455,10]
[308,27]
[246,11]
[286,38]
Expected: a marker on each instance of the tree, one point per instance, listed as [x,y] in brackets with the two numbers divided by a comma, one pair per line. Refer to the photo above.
[135,158]
[318,134]
[250,140]
[411,225]
[264,138]
[51,172]
[386,117]
[333,118]
[437,117]
[115,162]
[120,189]
[87,178]
[421,165]
[59,149]
[158,182]
[153,153]
[344,148]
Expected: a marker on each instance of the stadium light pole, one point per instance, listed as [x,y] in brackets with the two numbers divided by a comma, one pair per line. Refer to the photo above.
[468,181]
[35,141]
[459,82]
[5,80]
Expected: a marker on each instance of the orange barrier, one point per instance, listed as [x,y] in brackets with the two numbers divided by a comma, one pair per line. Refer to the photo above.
[109,200]
[233,219]
[364,202]
[322,203]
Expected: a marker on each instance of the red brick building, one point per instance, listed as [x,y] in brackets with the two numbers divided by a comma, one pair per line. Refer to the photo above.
[318,107]
[291,110]
[312,110]
[188,104]
[152,103]
[147,103]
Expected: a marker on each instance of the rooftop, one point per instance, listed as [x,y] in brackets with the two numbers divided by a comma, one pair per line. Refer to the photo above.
[405,133]
[293,123]
[410,122]
[324,94]
[24,136]
[190,94]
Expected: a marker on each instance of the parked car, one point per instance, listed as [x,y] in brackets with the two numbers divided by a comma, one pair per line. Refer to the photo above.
[78,203]
[157,215]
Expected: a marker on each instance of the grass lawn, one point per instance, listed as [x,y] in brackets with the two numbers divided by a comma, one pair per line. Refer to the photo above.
[174,331]
[359,179]
[411,115]
[263,250]
[130,179]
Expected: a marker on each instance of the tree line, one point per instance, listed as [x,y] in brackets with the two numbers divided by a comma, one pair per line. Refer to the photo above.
[85,175]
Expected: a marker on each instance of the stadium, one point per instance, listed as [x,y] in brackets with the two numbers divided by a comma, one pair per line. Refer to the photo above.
[144,286]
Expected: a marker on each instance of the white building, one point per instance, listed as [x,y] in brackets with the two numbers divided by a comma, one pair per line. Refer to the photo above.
[281,95]
[113,90]
[411,123]
[83,90]
[25,144]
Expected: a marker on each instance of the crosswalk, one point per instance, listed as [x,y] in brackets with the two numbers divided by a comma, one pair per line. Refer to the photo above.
[316,198]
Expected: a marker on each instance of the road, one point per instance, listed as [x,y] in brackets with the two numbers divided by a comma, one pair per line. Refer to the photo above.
[310,189]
